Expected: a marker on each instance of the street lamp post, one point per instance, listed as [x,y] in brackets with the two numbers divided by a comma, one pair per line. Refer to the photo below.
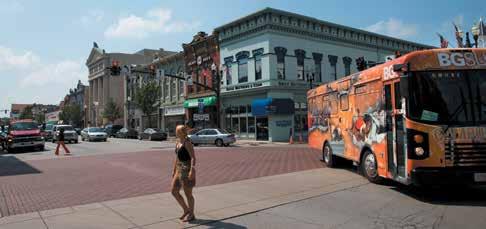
[475,31]
[96,103]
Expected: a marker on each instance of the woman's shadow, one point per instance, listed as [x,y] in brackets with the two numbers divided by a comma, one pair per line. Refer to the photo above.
[214,224]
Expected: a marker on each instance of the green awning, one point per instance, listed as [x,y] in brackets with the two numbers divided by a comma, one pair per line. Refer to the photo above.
[208,101]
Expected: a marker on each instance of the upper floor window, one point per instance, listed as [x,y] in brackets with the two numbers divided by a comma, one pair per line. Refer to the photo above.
[280,52]
[317,66]
[242,58]
[333,62]
[300,54]
[228,61]
[257,54]
[347,65]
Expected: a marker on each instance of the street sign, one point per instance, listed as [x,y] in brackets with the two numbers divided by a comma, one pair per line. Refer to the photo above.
[200,117]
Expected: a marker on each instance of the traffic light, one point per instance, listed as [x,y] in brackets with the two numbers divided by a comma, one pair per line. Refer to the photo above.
[115,68]
[361,64]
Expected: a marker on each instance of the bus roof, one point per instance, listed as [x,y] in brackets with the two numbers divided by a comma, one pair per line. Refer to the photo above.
[423,60]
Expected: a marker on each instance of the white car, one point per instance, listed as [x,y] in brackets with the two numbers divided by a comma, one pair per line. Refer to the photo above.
[218,137]
[70,134]
[93,134]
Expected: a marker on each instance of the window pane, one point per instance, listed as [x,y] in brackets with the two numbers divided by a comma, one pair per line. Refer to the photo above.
[243,125]
[243,70]
[258,67]
[281,71]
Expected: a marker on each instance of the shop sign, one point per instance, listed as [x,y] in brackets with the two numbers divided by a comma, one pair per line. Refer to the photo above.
[283,123]
[174,111]
[200,117]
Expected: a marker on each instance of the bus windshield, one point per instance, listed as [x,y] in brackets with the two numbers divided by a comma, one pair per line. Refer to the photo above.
[448,97]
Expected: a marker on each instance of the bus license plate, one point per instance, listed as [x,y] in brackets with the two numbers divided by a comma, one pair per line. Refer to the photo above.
[480,177]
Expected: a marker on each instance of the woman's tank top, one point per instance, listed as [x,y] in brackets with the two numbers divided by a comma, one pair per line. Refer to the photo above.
[183,154]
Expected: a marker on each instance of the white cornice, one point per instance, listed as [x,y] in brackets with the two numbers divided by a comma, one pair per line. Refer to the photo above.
[273,19]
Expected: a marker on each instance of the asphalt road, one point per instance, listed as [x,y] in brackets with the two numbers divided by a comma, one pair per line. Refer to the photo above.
[374,206]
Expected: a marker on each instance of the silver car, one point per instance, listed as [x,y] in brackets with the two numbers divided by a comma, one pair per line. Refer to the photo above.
[93,134]
[70,134]
[212,136]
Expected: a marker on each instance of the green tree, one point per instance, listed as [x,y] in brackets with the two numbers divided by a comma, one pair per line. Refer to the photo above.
[71,114]
[27,113]
[112,111]
[40,118]
[147,98]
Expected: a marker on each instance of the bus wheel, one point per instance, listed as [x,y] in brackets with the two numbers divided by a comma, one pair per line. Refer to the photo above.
[369,167]
[328,157]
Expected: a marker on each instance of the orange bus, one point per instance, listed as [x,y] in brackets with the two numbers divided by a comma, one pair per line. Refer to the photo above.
[418,119]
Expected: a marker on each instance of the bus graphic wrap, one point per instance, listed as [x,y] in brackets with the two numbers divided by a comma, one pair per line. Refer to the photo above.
[420,118]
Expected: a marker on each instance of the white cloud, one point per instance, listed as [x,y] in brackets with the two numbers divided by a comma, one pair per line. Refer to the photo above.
[157,20]
[394,27]
[92,17]
[10,60]
[65,73]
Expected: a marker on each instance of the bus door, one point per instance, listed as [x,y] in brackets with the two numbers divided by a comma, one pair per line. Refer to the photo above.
[394,129]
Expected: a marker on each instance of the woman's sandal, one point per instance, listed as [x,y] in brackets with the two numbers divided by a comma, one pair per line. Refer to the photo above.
[189,218]
[184,215]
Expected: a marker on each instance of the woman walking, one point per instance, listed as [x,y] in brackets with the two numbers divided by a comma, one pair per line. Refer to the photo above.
[60,142]
[184,173]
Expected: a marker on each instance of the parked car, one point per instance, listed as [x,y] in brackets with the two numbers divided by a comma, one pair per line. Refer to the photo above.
[111,129]
[153,134]
[218,137]
[127,133]
[93,134]
[78,130]
[70,134]
[48,132]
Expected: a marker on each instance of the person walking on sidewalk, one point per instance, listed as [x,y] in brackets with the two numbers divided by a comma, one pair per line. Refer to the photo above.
[184,173]
[60,142]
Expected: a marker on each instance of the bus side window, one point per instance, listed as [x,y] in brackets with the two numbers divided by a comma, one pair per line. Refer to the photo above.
[344,102]
[398,97]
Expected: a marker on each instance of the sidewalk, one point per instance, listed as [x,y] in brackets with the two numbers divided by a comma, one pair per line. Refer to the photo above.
[213,203]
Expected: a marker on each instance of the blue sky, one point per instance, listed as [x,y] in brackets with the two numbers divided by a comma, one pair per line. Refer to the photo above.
[44,44]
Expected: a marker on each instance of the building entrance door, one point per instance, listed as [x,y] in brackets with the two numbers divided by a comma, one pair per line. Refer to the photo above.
[262,129]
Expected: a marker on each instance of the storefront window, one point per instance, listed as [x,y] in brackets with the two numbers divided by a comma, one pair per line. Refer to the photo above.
[251,127]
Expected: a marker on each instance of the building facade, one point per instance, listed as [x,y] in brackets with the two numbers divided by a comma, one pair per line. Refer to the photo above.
[271,58]
[104,86]
[77,97]
[171,111]
[201,57]
[172,99]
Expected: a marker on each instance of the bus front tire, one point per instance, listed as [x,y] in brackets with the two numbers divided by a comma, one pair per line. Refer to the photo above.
[369,167]
[327,156]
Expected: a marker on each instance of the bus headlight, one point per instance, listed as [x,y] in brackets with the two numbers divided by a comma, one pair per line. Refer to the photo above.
[419,151]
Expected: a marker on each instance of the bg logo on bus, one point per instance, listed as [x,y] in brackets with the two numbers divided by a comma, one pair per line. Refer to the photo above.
[461,59]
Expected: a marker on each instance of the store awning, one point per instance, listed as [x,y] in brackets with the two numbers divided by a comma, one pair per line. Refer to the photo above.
[208,101]
[269,106]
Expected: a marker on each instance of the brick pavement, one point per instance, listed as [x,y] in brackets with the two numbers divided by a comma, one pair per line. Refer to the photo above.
[63,182]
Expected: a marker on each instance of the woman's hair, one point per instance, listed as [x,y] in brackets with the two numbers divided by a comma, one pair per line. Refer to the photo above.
[181,130]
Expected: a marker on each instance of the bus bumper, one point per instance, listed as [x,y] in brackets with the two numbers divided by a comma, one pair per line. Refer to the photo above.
[451,175]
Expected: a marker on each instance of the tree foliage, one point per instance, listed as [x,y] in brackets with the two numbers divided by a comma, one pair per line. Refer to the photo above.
[27,113]
[71,114]
[112,111]
[147,98]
